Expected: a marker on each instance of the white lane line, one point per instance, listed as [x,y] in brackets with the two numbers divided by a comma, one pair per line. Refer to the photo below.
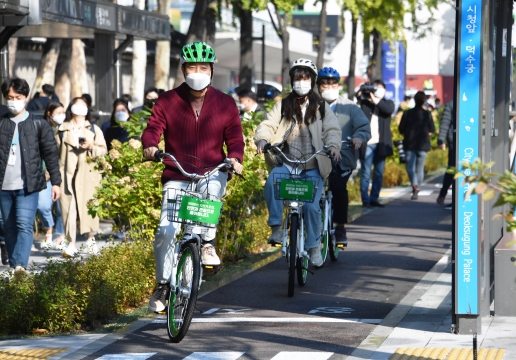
[277,320]
[425,192]
[128,356]
[230,355]
[211,311]
[298,355]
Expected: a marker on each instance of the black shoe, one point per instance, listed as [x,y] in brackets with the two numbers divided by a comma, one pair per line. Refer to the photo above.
[366,205]
[415,192]
[5,256]
[340,235]
[376,204]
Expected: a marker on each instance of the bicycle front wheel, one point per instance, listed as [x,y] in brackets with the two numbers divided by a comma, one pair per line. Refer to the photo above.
[181,302]
[292,253]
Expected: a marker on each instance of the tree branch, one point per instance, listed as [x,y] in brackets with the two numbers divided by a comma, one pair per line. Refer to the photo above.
[273,23]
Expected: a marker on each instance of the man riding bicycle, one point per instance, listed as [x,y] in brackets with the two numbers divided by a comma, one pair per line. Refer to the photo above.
[301,123]
[196,121]
[355,126]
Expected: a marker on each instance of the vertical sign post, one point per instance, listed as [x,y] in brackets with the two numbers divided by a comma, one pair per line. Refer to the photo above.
[468,139]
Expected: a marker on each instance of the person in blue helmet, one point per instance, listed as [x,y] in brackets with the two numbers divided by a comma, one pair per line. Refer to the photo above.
[355,131]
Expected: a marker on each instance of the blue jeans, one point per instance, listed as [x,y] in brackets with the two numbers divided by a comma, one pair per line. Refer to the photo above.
[45,210]
[311,211]
[416,167]
[2,239]
[18,211]
[371,159]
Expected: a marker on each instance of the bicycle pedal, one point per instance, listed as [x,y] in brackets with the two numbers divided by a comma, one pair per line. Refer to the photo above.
[161,312]
[342,246]
[208,266]
[275,244]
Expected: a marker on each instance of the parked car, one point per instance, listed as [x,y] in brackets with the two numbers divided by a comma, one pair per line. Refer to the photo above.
[264,91]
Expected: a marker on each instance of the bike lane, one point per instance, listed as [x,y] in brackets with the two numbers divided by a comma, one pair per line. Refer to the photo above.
[390,250]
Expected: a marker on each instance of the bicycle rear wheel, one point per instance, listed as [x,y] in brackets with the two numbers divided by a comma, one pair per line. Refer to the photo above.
[181,302]
[333,249]
[292,253]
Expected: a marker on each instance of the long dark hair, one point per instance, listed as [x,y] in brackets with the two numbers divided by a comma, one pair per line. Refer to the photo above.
[292,103]
[120,101]
[51,106]
[69,114]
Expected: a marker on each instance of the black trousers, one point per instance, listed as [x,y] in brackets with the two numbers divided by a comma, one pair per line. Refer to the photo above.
[338,186]
[448,178]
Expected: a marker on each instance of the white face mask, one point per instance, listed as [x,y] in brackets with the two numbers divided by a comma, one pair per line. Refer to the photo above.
[330,95]
[198,81]
[240,106]
[302,87]
[121,116]
[79,109]
[15,106]
[59,119]
[380,93]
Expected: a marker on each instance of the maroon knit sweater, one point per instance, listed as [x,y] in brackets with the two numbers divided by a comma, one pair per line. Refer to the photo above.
[197,145]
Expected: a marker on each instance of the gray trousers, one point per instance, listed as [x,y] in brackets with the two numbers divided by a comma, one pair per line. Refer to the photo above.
[167,231]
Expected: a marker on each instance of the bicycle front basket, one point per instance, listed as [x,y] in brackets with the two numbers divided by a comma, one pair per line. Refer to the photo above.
[190,208]
[303,189]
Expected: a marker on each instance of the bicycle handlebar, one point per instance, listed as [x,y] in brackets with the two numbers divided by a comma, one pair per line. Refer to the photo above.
[159,155]
[326,149]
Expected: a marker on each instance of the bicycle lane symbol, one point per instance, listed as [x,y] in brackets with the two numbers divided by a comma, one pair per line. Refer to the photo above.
[225,311]
[332,310]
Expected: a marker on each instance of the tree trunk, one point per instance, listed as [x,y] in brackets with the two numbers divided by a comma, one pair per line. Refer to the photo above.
[139,64]
[322,36]
[285,53]
[246,48]
[62,73]
[376,60]
[78,73]
[352,59]
[196,32]
[47,65]
[211,22]
[13,46]
[162,65]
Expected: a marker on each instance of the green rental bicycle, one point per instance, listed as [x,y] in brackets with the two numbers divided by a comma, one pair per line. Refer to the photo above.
[198,214]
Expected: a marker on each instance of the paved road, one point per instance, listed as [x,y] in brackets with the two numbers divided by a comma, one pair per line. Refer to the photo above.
[252,318]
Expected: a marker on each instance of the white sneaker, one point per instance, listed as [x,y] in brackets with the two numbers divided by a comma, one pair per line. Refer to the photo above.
[70,251]
[61,243]
[91,246]
[209,256]
[47,244]
[316,257]
[158,300]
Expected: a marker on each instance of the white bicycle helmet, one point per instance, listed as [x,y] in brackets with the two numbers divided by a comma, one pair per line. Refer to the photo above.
[304,63]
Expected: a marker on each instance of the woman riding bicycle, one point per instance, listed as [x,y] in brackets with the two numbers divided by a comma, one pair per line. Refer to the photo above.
[301,124]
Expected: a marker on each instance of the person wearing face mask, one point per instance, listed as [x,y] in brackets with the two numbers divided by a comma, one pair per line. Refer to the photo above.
[302,124]
[247,104]
[79,142]
[150,97]
[199,124]
[54,115]
[24,142]
[120,115]
[355,126]
[379,112]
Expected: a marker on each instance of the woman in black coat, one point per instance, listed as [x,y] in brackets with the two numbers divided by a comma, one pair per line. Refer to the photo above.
[416,126]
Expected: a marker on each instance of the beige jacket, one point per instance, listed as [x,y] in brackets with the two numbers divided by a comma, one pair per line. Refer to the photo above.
[324,132]
[78,172]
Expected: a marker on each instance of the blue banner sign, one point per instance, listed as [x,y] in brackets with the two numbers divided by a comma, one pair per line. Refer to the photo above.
[468,134]
[393,71]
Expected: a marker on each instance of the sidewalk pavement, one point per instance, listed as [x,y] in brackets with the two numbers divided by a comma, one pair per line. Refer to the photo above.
[417,328]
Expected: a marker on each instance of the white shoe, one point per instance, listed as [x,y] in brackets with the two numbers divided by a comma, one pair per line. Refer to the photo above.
[61,243]
[316,257]
[70,251]
[47,244]
[209,256]
[91,246]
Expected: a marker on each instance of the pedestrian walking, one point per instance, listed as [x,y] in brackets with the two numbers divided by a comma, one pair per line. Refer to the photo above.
[379,111]
[79,143]
[416,126]
[446,130]
[120,114]
[40,102]
[24,142]
[355,126]
[54,115]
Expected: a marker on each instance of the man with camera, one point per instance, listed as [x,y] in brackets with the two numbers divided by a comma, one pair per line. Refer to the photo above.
[379,111]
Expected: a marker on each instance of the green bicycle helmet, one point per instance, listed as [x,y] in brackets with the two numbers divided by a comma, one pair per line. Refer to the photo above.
[197,51]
